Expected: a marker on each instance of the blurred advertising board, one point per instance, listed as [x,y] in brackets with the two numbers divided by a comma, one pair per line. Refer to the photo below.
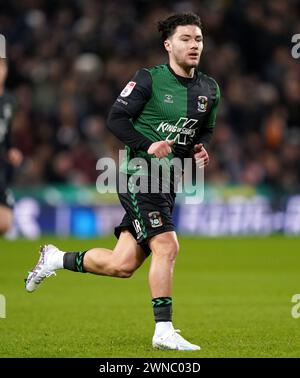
[82,212]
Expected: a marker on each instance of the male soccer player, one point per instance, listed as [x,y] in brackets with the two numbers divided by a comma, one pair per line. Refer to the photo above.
[8,154]
[164,112]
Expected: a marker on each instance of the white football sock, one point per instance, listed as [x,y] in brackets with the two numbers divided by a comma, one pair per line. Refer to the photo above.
[163,327]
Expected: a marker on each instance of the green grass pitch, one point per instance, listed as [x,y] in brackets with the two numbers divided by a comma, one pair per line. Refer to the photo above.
[231,295]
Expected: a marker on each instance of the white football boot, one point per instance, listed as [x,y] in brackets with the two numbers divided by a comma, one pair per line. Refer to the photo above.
[45,267]
[173,341]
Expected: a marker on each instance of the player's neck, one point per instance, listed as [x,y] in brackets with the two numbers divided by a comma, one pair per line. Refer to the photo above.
[1,91]
[187,72]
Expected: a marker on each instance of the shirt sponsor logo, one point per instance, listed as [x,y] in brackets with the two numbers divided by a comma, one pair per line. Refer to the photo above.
[202,104]
[128,89]
[182,130]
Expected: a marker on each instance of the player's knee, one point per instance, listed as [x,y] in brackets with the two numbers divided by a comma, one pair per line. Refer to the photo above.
[166,247]
[171,251]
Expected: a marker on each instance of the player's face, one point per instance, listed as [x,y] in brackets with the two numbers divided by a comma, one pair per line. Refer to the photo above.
[185,46]
[3,71]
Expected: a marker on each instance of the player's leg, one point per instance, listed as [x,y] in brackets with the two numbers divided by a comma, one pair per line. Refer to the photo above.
[164,248]
[6,218]
[151,215]
[126,257]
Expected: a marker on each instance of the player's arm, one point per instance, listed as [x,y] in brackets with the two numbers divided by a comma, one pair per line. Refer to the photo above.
[127,108]
[205,135]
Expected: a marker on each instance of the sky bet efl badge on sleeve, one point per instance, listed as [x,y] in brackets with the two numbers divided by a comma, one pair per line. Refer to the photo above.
[128,89]
[202,104]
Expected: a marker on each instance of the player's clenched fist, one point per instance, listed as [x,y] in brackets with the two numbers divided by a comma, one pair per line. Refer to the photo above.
[161,149]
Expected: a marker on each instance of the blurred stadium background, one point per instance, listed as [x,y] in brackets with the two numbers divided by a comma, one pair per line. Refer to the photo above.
[68,60]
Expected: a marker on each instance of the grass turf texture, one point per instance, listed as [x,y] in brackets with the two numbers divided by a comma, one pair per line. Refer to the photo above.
[232,296]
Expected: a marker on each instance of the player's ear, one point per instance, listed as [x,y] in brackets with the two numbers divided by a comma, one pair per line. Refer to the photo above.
[167,45]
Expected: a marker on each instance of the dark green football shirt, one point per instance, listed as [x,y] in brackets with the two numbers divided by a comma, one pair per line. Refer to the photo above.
[164,106]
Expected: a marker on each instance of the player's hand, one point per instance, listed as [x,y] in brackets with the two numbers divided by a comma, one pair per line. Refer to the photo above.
[161,149]
[201,156]
[15,156]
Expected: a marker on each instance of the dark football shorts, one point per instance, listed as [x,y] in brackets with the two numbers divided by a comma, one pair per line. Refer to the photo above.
[147,214]
[6,198]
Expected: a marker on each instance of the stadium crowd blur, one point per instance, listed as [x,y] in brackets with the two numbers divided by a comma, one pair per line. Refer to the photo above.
[68,61]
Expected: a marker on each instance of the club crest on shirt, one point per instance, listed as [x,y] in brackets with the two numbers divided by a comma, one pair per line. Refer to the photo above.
[168,99]
[202,104]
[128,89]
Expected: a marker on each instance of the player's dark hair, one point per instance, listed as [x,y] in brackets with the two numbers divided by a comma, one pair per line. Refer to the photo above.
[167,27]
